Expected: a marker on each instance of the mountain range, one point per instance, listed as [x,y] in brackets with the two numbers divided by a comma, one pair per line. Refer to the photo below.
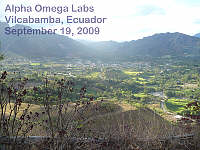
[157,45]
[40,46]
[197,35]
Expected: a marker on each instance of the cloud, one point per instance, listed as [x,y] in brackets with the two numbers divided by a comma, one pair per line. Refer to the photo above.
[197,21]
[190,3]
[149,10]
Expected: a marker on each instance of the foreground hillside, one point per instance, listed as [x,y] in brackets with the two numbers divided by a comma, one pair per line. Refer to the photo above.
[121,125]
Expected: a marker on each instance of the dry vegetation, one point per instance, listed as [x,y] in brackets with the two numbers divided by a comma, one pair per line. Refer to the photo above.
[120,124]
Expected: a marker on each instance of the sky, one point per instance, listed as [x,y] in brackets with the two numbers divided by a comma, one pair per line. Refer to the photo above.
[127,19]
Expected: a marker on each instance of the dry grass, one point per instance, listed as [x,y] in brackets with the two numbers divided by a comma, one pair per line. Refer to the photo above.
[33,108]
[190,86]
[115,120]
[141,123]
[102,116]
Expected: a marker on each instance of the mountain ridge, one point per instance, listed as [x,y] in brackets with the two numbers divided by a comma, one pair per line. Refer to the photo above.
[165,44]
[44,45]
[197,35]
[157,45]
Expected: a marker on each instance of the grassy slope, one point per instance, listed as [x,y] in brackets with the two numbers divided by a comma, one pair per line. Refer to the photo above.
[115,117]
[140,122]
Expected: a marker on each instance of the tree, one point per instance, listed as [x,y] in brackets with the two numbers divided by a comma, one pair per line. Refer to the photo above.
[1,55]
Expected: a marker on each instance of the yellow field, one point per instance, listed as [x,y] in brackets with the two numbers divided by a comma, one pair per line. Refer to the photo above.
[132,73]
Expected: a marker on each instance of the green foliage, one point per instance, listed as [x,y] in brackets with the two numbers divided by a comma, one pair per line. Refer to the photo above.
[177,105]
[170,93]
[1,55]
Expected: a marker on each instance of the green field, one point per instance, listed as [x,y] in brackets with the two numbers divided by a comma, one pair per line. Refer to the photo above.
[132,73]
[35,64]
[176,105]
[140,95]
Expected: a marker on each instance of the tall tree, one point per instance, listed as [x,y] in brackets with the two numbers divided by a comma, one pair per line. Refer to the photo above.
[1,55]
